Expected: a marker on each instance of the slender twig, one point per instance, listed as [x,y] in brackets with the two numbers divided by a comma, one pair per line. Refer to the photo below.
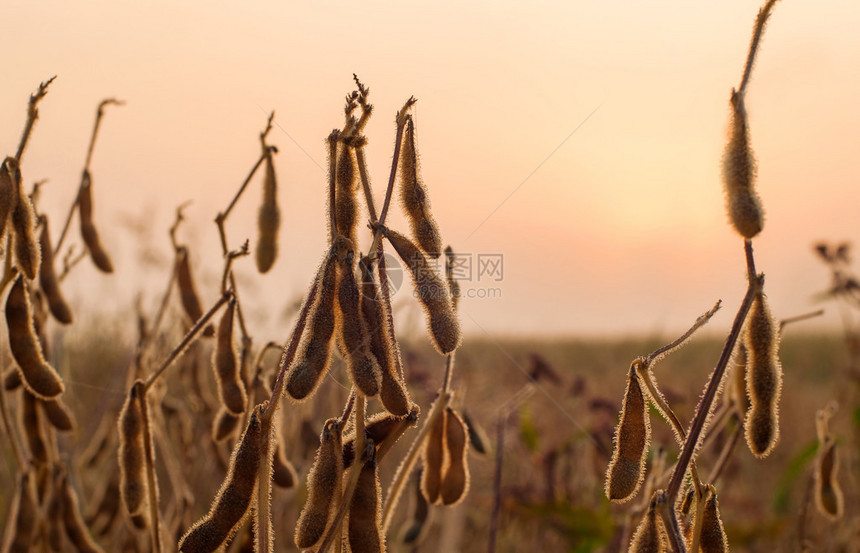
[726,453]
[449,371]
[162,307]
[228,263]
[798,318]
[85,172]
[32,115]
[189,337]
[152,483]
[70,261]
[666,511]
[758,30]
[668,348]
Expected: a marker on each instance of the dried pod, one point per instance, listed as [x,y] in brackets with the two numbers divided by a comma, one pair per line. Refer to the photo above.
[88,229]
[188,290]
[31,421]
[392,392]
[687,504]
[26,245]
[233,499]
[627,466]
[478,438]
[415,531]
[283,473]
[354,336]
[739,170]
[455,482]
[365,515]
[377,428]
[224,425]
[649,536]
[345,207]
[739,379]
[453,285]
[713,538]
[268,219]
[764,378]
[433,456]
[324,485]
[312,362]
[9,177]
[48,278]
[11,380]
[414,197]
[432,291]
[22,517]
[76,530]
[225,363]
[828,495]
[132,457]
[58,414]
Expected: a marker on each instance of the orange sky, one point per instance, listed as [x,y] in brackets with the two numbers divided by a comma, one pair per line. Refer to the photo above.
[620,229]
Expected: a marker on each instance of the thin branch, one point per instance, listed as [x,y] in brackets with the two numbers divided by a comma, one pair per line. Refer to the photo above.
[798,318]
[152,482]
[758,30]
[726,453]
[668,348]
[32,115]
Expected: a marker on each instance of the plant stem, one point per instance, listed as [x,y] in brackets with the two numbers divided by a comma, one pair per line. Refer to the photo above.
[726,453]
[32,115]
[758,30]
[152,483]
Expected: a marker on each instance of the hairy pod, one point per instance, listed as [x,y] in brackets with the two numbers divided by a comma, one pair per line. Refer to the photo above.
[224,425]
[346,208]
[828,494]
[632,436]
[31,421]
[76,530]
[415,531]
[188,290]
[649,536]
[89,234]
[455,482]
[764,378]
[12,379]
[739,170]
[225,363]
[414,197]
[355,337]
[377,428]
[26,245]
[478,438]
[22,517]
[365,514]
[233,499]
[132,456]
[434,457]
[739,379]
[713,538]
[9,177]
[58,414]
[48,279]
[392,392]
[283,472]
[314,356]
[324,485]
[453,285]
[432,291]
[268,219]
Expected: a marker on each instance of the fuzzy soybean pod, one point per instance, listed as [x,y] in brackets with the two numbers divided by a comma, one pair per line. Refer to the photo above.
[355,337]
[377,427]
[312,361]
[38,376]
[828,495]
[188,290]
[89,233]
[225,364]
[455,482]
[48,278]
[76,529]
[283,472]
[9,177]
[345,207]
[365,515]
[58,414]
[233,499]
[649,537]
[324,484]
[22,517]
[432,291]
[11,380]
[632,436]
[414,197]
[268,218]
[392,392]
[713,538]
[434,457]
[31,420]
[132,475]
[739,171]
[224,425]
[415,531]
[26,244]
[764,378]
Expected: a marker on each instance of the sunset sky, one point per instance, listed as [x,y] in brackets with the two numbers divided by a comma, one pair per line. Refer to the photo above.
[579,140]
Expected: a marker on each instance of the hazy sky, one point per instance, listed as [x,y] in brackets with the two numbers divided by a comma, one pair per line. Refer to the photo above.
[616,227]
